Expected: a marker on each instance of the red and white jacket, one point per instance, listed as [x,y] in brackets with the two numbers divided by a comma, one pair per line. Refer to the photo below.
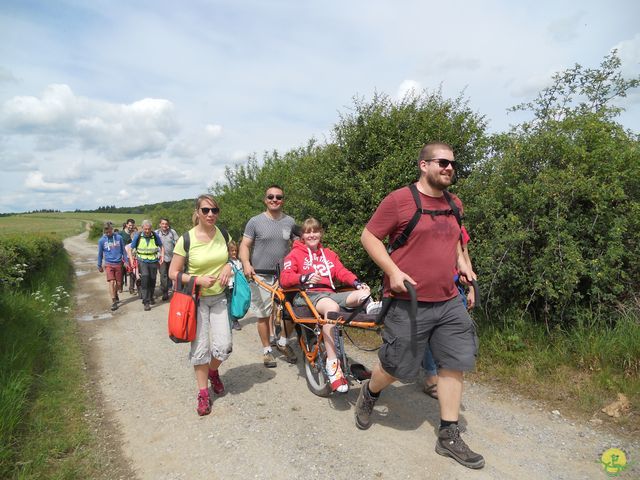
[324,261]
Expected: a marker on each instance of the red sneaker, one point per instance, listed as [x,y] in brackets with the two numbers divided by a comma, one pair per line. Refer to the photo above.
[204,404]
[216,384]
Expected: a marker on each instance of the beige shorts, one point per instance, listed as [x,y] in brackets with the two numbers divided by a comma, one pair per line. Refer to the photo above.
[261,298]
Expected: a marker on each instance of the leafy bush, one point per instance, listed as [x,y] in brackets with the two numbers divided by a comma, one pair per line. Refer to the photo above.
[554,210]
[22,256]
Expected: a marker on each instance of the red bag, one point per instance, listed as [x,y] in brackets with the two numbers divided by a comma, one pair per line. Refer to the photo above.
[182,312]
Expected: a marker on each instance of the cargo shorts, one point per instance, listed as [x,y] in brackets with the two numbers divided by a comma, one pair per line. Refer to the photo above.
[445,326]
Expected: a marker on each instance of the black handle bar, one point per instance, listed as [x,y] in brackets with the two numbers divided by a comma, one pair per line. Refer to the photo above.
[476,290]
[413,310]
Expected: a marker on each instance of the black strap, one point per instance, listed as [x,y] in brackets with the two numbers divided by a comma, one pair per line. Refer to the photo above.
[401,239]
[186,243]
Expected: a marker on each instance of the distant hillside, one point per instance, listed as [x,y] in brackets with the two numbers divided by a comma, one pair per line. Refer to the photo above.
[171,205]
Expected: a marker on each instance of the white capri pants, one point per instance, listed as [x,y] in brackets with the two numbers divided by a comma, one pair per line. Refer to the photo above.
[213,333]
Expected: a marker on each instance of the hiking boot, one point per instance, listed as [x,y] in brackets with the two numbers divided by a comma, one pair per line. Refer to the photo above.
[204,405]
[236,325]
[364,407]
[114,306]
[165,297]
[287,351]
[117,299]
[147,307]
[131,290]
[269,360]
[152,301]
[216,384]
[450,444]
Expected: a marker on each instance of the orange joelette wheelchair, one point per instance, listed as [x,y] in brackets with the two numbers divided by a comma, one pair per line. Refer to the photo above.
[308,325]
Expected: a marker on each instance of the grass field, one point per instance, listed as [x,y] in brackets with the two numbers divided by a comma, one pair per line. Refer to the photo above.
[60,224]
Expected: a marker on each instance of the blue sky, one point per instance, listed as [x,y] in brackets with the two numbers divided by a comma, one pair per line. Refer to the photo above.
[120,102]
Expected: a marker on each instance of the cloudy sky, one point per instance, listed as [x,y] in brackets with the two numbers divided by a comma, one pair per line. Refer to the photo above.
[107,102]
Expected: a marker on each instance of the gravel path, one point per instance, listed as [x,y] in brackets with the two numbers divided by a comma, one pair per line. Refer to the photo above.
[269,425]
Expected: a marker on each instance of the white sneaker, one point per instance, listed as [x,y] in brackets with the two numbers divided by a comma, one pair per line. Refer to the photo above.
[336,378]
[373,308]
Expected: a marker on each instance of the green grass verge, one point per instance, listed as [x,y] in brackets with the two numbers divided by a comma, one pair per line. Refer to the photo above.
[61,224]
[43,399]
[579,371]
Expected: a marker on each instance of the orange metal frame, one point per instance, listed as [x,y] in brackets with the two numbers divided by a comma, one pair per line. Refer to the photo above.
[317,319]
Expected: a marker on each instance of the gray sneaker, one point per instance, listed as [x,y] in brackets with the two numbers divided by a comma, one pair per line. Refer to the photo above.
[269,360]
[364,407]
[450,444]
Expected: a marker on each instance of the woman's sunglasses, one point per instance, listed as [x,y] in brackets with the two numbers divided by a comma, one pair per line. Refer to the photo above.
[272,196]
[206,210]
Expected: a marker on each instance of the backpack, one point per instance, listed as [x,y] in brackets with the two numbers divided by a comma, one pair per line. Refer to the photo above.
[186,239]
[401,239]
[182,312]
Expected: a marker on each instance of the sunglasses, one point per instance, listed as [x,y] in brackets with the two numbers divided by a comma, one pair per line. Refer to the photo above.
[272,196]
[206,210]
[443,162]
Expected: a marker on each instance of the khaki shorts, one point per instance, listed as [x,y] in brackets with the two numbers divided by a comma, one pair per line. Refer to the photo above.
[262,299]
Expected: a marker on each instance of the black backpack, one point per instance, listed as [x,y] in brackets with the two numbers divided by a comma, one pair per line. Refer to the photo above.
[401,239]
[186,239]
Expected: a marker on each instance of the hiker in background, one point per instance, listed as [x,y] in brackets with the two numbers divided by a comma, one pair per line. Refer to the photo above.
[233,260]
[111,249]
[265,242]
[128,230]
[149,252]
[426,261]
[206,257]
[169,237]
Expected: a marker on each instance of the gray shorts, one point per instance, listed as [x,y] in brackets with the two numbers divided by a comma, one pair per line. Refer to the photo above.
[445,326]
[339,297]
[261,299]
[213,333]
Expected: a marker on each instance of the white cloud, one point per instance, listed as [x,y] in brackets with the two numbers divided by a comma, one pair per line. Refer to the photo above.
[192,145]
[629,53]
[408,87]
[78,171]
[17,161]
[119,131]
[164,175]
[123,195]
[459,63]
[35,181]
[213,131]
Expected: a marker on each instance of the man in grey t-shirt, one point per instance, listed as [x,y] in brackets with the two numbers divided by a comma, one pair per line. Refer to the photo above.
[169,239]
[265,243]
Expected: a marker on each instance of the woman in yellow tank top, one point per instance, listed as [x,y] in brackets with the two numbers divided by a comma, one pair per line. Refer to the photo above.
[208,261]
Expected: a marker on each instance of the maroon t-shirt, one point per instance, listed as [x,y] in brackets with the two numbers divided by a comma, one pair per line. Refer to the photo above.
[430,254]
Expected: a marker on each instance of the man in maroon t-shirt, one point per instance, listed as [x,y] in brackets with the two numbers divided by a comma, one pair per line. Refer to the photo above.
[427,261]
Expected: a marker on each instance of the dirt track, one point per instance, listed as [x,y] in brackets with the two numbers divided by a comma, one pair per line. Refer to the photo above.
[269,425]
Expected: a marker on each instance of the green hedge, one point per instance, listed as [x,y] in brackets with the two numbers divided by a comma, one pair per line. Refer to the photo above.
[21,257]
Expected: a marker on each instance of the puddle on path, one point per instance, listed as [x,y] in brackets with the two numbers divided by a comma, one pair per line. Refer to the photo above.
[91,317]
